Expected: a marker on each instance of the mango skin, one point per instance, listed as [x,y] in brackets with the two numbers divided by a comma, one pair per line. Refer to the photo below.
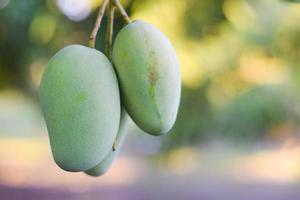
[104,165]
[80,100]
[149,77]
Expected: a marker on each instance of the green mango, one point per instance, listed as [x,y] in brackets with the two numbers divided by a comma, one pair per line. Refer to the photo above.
[149,77]
[104,165]
[80,100]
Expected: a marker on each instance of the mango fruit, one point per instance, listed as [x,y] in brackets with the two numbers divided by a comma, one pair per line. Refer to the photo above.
[104,165]
[80,100]
[149,77]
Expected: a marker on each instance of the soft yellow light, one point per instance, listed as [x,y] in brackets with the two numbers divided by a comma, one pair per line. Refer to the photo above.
[42,28]
[225,88]
[36,71]
[278,165]
[183,161]
[240,14]
[259,69]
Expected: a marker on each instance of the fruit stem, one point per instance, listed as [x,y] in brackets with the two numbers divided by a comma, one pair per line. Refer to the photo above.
[122,11]
[114,147]
[93,36]
[109,30]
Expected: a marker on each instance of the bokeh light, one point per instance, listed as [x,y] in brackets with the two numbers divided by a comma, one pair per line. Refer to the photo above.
[4,3]
[75,9]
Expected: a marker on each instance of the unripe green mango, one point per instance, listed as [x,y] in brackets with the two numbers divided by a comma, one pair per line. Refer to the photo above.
[80,100]
[149,77]
[104,165]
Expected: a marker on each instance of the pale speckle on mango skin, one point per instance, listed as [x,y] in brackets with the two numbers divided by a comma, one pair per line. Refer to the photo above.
[81,97]
[148,72]
[80,100]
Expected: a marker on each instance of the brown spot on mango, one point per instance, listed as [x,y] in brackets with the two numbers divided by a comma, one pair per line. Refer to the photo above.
[149,76]
[153,75]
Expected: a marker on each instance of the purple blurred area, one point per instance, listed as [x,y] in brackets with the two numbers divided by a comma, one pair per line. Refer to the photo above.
[167,189]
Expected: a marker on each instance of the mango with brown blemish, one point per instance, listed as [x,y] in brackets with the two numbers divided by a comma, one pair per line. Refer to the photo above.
[80,100]
[149,77]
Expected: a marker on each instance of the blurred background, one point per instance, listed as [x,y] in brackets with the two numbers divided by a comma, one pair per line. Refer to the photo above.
[237,135]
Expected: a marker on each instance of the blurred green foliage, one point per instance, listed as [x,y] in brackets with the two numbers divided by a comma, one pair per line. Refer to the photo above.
[240,59]
[203,17]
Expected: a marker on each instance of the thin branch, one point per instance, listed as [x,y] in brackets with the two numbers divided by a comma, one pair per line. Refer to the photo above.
[122,11]
[110,31]
[93,36]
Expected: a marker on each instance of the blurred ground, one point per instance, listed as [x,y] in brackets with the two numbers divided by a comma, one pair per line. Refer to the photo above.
[214,170]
